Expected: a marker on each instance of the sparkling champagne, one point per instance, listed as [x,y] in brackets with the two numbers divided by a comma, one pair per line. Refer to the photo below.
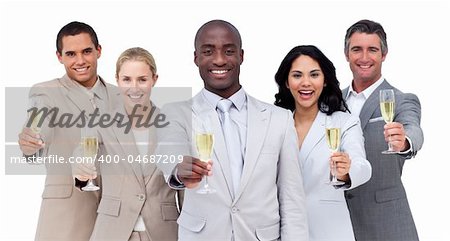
[90,146]
[204,144]
[35,123]
[333,136]
[387,110]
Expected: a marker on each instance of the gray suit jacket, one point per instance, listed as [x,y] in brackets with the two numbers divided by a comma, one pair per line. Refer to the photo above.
[66,213]
[270,202]
[131,187]
[379,209]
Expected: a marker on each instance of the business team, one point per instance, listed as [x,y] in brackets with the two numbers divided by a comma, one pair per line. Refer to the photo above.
[268,167]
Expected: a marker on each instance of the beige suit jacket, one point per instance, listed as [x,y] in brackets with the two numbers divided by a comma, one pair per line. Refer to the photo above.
[66,213]
[130,188]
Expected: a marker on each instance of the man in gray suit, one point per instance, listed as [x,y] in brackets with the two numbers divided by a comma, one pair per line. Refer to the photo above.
[379,209]
[259,196]
[66,212]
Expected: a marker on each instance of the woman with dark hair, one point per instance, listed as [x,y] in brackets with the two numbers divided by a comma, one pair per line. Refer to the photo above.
[307,85]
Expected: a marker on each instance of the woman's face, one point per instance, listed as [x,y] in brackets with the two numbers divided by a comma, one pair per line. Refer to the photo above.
[305,81]
[135,81]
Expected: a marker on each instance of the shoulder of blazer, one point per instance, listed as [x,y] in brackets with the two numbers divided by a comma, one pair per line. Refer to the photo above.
[50,83]
[258,104]
[266,107]
[48,88]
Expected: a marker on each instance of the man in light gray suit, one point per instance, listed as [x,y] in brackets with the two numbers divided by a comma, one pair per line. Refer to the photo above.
[264,200]
[379,209]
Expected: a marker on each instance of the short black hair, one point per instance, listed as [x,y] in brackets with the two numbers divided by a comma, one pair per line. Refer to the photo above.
[218,22]
[75,28]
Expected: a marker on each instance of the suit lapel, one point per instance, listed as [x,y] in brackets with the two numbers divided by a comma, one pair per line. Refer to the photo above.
[206,117]
[372,104]
[315,134]
[77,96]
[152,142]
[114,98]
[257,127]
[128,145]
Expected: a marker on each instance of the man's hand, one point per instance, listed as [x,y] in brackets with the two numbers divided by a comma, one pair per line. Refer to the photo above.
[84,169]
[395,134]
[30,142]
[191,171]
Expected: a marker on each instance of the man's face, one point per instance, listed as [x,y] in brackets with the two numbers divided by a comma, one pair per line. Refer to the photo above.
[365,57]
[79,57]
[218,55]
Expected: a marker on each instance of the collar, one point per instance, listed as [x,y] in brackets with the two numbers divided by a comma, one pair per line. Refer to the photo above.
[239,98]
[367,92]
[98,89]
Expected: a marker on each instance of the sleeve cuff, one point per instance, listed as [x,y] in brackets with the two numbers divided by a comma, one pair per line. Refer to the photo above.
[174,182]
[79,184]
[410,147]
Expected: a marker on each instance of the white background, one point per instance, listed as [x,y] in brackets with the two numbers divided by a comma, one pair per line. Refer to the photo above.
[417,62]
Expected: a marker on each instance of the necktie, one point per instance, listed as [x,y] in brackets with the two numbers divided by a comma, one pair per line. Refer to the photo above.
[233,142]
[92,98]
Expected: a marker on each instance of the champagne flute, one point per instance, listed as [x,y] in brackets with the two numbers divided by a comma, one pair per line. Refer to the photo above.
[333,136]
[34,118]
[89,142]
[205,143]
[35,105]
[387,107]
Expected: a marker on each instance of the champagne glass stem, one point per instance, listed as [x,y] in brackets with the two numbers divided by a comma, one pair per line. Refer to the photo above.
[334,172]
[390,144]
[90,182]
[206,183]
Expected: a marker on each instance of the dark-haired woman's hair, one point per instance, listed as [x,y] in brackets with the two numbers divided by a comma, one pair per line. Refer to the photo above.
[330,100]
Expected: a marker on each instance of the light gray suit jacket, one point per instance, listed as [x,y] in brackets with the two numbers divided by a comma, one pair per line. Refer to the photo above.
[270,202]
[131,187]
[379,208]
[328,215]
[66,213]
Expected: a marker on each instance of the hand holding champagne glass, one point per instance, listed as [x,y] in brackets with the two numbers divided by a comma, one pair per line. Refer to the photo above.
[387,107]
[333,136]
[35,102]
[89,142]
[205,143]
[32,128]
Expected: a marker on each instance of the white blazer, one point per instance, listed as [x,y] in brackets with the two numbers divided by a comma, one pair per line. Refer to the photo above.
[328,215]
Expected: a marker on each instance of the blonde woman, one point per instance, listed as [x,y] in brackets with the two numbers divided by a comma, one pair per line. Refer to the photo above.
[136,202]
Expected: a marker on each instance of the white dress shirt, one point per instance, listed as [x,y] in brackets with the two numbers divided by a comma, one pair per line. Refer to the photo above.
[355,102]
[237,114]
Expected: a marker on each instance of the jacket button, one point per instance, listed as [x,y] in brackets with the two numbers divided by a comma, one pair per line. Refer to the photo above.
[349,195]
[234,209]
[141,197]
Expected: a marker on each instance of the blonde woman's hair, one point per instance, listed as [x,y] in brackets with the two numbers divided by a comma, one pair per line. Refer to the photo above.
[136,54]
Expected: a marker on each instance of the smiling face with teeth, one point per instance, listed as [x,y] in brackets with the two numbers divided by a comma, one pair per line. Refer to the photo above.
[365,58]
[218,55]
[136,80]
[79,57]
[306,81]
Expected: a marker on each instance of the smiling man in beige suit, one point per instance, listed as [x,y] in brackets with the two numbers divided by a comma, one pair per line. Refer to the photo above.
[67,213]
